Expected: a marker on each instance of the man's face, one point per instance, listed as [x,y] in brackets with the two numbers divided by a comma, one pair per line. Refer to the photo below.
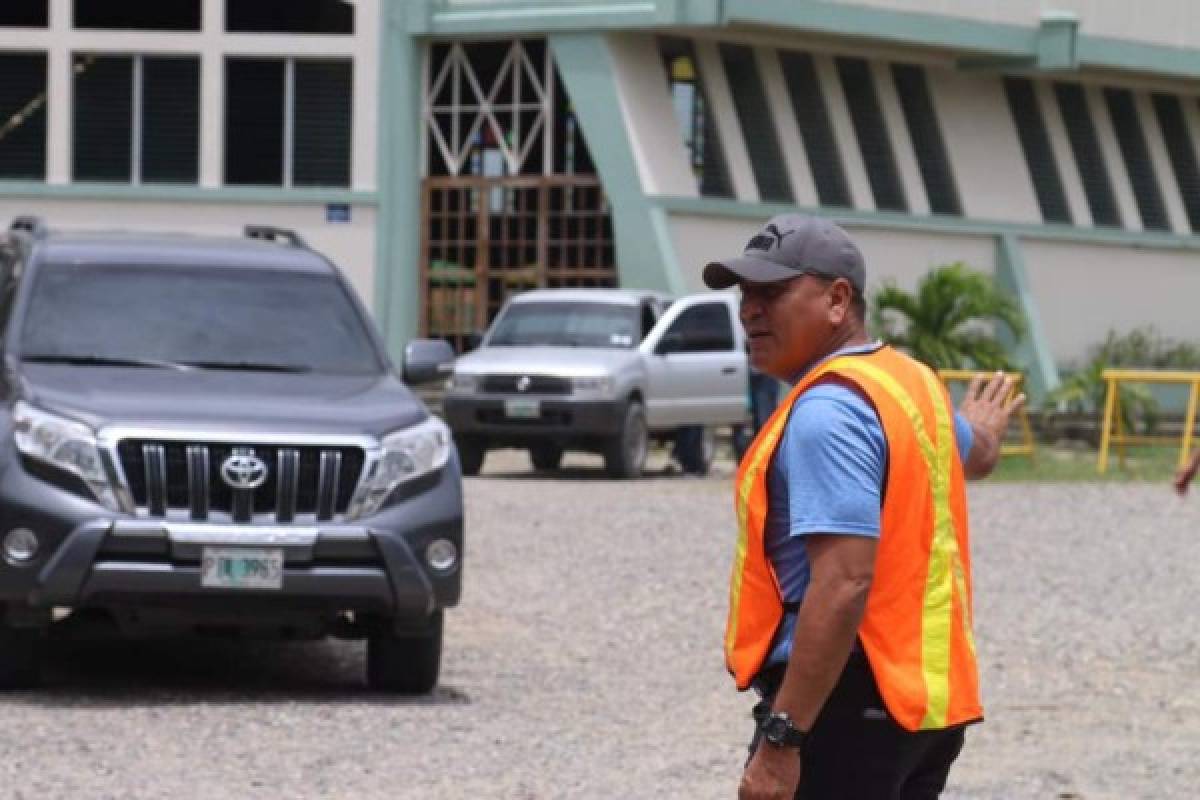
[788,323]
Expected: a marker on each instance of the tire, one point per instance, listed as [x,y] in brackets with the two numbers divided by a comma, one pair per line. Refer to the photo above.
[20,657]
[471,452]
[625,453]
[546,456]
[700,462]
[406,663]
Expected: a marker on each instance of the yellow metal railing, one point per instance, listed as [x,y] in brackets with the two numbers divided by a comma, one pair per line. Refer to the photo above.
[1113,432]
[1024,445]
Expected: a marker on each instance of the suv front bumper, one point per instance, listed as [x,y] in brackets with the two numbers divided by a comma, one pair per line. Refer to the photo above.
[558,417]
[91,557]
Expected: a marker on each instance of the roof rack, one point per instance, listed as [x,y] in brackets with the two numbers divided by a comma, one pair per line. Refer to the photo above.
[270,233]
[30,224]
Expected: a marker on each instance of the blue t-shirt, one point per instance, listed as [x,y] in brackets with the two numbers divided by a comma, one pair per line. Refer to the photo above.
[826,476]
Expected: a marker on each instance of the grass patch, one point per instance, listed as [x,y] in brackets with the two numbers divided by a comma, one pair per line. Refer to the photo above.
[1063,464]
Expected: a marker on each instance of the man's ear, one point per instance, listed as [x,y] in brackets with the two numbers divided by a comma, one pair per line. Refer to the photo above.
[841,297]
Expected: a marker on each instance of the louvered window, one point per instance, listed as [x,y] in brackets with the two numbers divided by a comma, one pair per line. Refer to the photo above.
[926,135]
[288,122]
[1081,131]
[323,113]
[695,117]
[289,16]
[1182,153]
[23,116]
[1132,140]
[160,15]
[812,117]
[1039,154]
[136,119]
[758,129]
[24,14]
[872,133]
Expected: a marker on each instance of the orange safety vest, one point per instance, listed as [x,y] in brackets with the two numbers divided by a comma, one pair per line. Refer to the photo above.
[916,629]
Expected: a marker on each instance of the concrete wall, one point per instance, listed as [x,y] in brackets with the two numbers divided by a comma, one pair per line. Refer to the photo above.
[349,245]
[1084,291]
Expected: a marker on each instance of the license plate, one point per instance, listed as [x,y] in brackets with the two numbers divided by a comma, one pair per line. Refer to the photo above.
[520,408]
[242,568]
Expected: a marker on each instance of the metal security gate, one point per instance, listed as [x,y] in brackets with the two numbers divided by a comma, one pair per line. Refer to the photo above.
[484,239]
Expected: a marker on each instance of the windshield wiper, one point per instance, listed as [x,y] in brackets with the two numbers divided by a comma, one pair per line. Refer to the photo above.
[250,366]
[103,361]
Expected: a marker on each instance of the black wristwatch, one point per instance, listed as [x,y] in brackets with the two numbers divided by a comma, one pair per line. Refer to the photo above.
[779,730]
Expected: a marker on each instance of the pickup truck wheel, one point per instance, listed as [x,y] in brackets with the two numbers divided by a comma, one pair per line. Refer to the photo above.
[20,657]
[546,456]
[625,453]
[471,452]
[407,663]
[700,460]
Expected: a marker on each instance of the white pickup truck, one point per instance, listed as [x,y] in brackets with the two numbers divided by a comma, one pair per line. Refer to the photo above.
[599,370]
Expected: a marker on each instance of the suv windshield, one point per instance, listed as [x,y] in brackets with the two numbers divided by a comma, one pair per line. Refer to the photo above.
[254,320]
[565,324]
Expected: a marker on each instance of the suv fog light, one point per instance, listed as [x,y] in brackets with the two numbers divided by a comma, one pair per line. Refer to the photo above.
[20,546]
[441,554]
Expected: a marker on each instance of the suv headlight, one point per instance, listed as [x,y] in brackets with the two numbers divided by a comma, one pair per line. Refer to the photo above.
[598,386]
[464,383]
[65,444]
[407,454]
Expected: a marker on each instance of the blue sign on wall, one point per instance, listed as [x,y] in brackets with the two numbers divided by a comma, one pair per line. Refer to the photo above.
[337,212]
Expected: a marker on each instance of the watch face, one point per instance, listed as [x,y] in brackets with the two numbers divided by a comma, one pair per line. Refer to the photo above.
[775,730]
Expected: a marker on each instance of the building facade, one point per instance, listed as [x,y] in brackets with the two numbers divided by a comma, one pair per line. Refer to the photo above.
[449,152]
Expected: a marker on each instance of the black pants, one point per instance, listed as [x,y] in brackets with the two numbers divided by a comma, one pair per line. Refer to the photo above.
[856,751]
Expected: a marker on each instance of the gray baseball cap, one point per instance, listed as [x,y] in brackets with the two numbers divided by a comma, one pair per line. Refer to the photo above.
[790,245]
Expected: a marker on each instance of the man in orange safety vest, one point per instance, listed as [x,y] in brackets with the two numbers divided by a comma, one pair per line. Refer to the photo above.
[850,595]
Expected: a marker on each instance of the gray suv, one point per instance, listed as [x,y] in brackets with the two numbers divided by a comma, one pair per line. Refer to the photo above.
[207,434]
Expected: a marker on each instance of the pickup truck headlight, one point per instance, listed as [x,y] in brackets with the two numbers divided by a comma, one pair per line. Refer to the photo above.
[599,386]
[65,444]
[407,454]
[466,384]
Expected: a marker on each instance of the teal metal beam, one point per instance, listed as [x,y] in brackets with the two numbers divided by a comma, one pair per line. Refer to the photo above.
[645,253]
[1048,46]
[1032,352]
[718,207]
[185,193]
[397,277]
[451,18]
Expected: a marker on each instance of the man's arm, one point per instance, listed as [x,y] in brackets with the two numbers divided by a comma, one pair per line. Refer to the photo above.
[987,408]
[1186,473]
[826,625]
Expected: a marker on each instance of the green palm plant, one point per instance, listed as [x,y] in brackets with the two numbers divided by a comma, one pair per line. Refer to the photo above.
[947,321]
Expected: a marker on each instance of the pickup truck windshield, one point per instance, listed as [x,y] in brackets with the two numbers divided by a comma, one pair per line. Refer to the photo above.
[213,318]
[564,324]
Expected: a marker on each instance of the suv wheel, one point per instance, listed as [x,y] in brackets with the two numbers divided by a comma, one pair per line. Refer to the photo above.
[625,453]
[20,657]
[546,456]
[700,461]
[407,663]
[471,452]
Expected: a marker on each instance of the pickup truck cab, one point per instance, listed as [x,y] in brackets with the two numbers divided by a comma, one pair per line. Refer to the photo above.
[599,370]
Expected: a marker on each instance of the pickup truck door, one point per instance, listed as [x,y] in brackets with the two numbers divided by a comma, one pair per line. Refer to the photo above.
[696,364]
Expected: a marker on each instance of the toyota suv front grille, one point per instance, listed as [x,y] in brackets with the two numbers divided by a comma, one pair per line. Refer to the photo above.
[204,479]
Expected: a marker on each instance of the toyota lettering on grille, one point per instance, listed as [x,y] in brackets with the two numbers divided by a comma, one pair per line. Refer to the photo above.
[244,471]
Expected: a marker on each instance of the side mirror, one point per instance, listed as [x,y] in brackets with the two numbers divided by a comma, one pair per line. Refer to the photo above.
[671,342]
[472,341]
[427,360]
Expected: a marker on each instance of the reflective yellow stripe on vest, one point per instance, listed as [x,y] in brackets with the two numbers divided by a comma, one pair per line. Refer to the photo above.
[945,564]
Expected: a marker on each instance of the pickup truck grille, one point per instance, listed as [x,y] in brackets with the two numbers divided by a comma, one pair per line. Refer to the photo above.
[533,384]
[301,481]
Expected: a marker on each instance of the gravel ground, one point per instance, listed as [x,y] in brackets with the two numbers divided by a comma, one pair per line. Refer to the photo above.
[585,662]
